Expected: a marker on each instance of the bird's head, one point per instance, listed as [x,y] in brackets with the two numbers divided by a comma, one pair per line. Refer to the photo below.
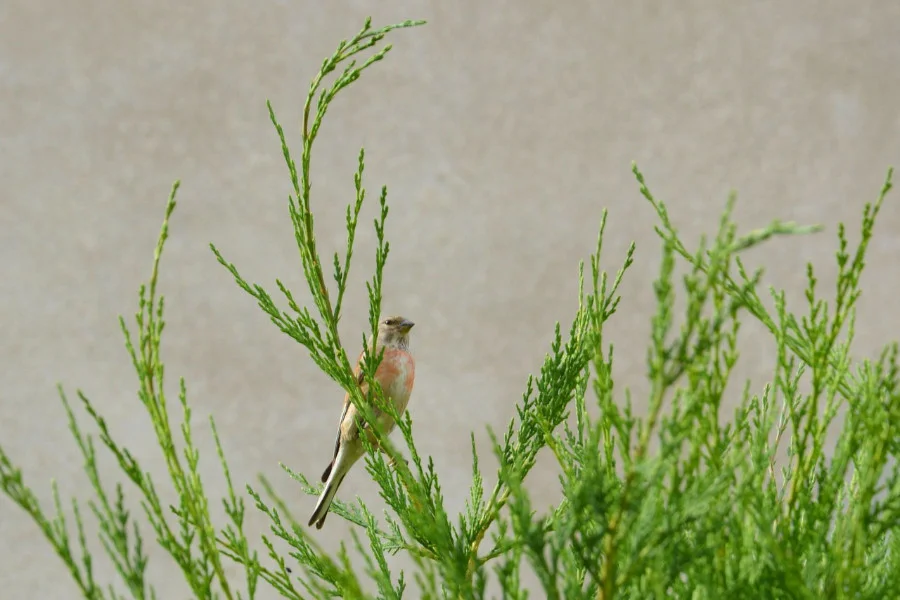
[394,332]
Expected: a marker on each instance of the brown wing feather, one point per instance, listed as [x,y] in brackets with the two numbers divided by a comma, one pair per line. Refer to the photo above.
[360,380]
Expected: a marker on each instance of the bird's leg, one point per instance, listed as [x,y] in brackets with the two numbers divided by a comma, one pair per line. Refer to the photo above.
[391,460]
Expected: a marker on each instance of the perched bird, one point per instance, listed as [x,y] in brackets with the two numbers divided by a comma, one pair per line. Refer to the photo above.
[396,374]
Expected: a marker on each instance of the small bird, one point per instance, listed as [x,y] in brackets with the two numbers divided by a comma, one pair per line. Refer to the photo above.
[396,374]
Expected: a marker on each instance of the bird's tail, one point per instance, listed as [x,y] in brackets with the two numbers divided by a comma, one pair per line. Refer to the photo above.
[347,454]
[325,499]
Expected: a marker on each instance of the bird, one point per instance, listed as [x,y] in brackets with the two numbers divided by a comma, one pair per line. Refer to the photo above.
[396,374]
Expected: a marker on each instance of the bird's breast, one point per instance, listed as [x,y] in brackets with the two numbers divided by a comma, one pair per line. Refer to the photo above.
[396,374]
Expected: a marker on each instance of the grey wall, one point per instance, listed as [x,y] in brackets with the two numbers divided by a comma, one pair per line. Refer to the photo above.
[502,129]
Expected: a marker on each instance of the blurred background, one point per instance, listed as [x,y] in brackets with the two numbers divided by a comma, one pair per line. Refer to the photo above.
[502,130]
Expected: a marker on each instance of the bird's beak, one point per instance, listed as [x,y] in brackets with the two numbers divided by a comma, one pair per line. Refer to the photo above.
[406,324]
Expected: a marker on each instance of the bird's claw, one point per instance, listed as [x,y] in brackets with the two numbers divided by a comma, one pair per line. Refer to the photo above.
[393,461]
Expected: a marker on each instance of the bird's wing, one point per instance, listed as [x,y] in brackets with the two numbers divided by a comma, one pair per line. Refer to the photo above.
[337,439]
[361,382]
[364,387]
[360,379]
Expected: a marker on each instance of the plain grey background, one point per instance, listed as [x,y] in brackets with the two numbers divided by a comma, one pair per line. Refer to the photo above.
[502,129]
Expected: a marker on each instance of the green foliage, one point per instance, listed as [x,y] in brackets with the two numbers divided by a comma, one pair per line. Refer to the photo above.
[683,501]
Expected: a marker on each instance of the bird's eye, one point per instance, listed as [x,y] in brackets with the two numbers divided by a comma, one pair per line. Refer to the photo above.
[389,322]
